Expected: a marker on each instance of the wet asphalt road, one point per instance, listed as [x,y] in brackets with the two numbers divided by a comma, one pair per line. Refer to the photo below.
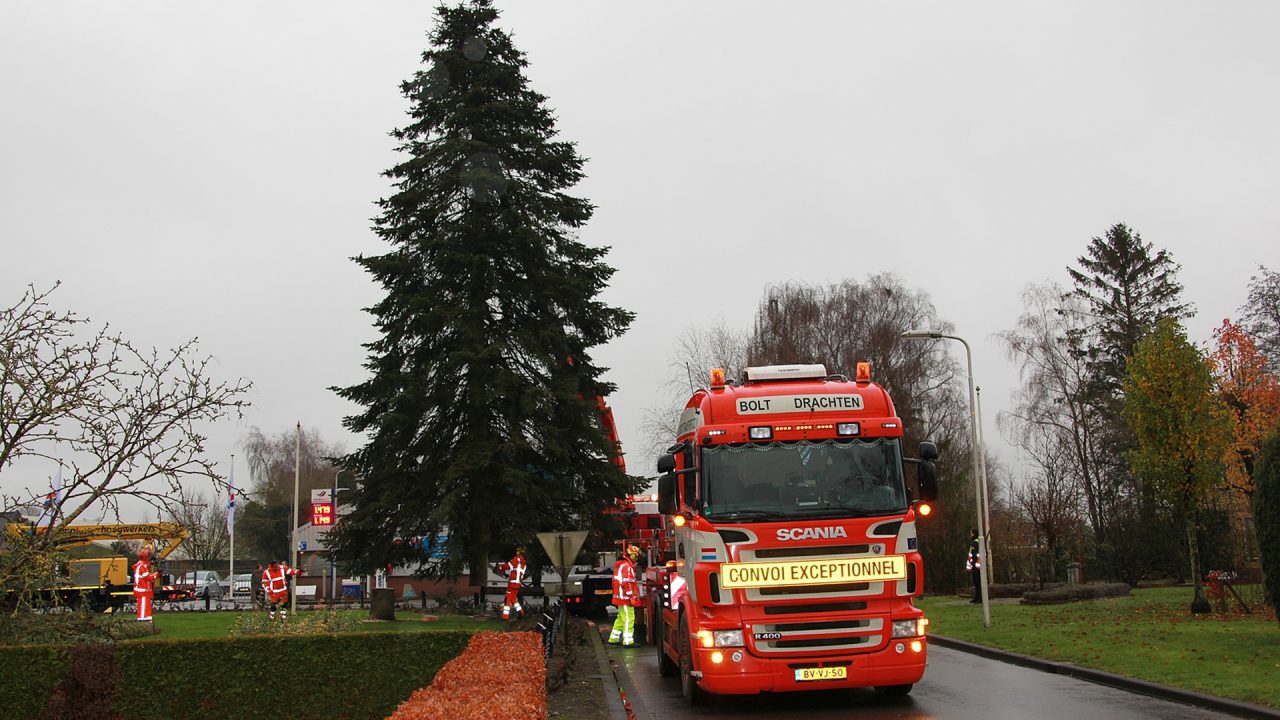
[956,686]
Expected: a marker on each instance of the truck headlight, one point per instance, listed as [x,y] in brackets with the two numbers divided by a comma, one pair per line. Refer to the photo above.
[909,628]
[720,638]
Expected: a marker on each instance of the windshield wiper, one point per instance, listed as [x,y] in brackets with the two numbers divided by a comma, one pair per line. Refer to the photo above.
[844,511]
[745,514]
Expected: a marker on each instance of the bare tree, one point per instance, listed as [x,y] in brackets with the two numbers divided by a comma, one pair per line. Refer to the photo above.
[122,422]
[696,351]
[205,518]
[1052,411]
[1049,500]
[264,517]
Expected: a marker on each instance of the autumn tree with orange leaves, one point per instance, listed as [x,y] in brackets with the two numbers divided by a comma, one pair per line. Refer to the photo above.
[1253,395]
[1182,429]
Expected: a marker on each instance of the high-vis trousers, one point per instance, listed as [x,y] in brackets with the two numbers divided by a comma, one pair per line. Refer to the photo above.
[511,603]
[624,626]
[143,601]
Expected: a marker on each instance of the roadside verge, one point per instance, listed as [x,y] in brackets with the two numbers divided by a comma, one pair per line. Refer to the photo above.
[1235,707]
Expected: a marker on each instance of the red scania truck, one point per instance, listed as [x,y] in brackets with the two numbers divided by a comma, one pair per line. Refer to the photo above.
[791,561]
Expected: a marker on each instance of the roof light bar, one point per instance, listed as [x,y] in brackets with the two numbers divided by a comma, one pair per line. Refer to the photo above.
[784,372]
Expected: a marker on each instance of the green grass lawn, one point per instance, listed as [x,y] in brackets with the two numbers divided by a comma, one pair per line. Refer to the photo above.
[1150,635]
[197,624]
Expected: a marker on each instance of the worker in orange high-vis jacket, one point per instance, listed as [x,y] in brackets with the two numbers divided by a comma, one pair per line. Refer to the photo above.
[514,569]
[275,584]
[144,584]
[626,595]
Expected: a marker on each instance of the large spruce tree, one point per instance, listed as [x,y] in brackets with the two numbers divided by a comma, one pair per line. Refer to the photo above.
[1125,286]
[480,409]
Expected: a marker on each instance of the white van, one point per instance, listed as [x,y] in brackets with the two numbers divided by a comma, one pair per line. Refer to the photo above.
[206,584]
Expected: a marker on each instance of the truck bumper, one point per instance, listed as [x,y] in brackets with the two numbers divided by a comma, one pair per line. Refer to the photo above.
[752,675]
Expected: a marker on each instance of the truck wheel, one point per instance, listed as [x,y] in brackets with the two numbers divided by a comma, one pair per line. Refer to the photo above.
[693,694]
[666,667]
[894,690]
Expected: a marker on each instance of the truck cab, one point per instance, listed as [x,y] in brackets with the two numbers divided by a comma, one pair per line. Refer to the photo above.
[793,560]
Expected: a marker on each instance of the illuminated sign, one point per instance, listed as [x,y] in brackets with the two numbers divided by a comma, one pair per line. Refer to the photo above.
[813,572]
[321,514]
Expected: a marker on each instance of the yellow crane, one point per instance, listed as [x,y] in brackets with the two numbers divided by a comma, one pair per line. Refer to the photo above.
[103,583]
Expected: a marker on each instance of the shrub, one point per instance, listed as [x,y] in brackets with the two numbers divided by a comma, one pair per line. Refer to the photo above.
[353,676]
[28,679]
[1266,516]
[312,623]
[68,627]
[88,692]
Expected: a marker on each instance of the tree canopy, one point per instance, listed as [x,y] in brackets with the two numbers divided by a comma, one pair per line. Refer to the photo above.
[480,405]
[1182,427]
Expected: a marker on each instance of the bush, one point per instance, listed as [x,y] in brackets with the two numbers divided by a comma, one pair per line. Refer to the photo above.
[69,627]
[1266,516]
[88,692]
[1068,593]
[354,676]
[319,622]
[30,674]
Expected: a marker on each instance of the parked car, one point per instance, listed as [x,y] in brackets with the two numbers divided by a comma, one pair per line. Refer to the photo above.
[204,584]
[243,586]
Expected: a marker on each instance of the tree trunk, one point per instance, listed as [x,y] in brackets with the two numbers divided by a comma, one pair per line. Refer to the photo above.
[1199,604]
[382,606]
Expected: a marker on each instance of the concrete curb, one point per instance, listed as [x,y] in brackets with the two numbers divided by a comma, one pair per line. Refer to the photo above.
[612,693]
[1234,707]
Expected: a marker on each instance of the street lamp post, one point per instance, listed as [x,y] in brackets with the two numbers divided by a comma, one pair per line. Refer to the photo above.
[333,565]
[293,520]
[975,452]
[989,568]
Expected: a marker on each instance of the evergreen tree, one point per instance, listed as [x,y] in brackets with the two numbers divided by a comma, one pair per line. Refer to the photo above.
[1126,288]
[1266,516]
[480,409]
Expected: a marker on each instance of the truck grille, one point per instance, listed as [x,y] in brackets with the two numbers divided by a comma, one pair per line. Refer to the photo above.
[825,635]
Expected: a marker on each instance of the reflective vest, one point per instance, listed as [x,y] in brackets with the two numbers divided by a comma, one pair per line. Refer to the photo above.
[974,560]
[626,591]
[277,581]
[514,569]
[144,580]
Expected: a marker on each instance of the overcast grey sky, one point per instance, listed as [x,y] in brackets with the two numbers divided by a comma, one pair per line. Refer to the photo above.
[207,169]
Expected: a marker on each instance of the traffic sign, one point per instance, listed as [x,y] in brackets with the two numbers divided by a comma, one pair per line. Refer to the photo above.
[562,546]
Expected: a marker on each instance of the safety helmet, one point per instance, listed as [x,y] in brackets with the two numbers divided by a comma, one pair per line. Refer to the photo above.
[144,553]
[634,551]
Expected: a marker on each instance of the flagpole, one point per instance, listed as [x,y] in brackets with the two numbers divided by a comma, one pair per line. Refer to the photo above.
[231,528]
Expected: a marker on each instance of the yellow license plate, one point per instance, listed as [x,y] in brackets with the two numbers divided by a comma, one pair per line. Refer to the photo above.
[604,592]
[822,673]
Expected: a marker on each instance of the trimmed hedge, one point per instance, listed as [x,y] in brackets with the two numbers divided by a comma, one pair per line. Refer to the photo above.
[29,676]
[353,676]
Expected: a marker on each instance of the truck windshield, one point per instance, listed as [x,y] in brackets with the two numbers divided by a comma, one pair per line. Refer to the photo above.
[825,478]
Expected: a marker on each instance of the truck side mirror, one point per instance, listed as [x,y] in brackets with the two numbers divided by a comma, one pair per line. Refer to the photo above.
[667,502]
[666,463]
[928,451]
[927,480]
